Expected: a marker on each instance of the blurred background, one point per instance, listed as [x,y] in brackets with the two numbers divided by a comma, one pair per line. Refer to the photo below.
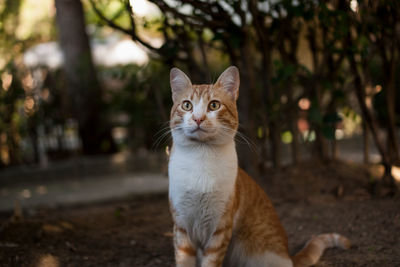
[90,79]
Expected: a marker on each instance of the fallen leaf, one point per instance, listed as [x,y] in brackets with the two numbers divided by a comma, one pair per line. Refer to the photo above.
[52,229]
[168,234]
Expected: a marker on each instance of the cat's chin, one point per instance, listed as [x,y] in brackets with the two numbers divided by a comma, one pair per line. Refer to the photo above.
[207,139]
[199,135]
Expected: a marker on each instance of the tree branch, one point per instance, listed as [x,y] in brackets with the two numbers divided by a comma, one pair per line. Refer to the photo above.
[131,32]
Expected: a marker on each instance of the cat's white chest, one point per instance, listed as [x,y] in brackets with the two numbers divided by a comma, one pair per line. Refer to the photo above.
[201,181]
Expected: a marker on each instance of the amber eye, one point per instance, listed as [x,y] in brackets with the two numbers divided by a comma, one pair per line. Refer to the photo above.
[186,105]
[214,105]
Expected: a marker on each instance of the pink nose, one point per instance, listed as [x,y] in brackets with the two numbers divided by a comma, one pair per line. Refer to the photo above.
[199,120]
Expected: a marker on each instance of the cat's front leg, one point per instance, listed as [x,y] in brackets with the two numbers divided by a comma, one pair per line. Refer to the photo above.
[185,251]
[214,253]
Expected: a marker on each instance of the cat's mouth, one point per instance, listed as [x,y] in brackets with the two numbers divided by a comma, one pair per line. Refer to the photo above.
[198,129]
[199,134]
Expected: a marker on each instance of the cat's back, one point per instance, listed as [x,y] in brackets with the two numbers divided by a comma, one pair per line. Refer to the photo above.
[257,226]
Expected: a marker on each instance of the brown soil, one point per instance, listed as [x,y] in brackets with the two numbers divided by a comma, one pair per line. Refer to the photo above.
[310,199]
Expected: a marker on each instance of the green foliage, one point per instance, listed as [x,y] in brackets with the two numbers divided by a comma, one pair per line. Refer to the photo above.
[318,30]
[115,10]
[314,114]
[8,25]
[12,116]
[283,72]
[330,121]
[287,137]
[145,98]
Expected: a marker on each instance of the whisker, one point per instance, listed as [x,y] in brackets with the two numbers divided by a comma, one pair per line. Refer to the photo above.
[160,140]
[249,142]
[161,131]
[165,136]
[239,135]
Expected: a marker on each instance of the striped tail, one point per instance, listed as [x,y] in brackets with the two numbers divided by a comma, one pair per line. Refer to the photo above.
[313,250]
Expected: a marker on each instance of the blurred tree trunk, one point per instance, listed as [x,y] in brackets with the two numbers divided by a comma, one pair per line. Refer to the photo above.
[335,149]
[272,130]
[393,145]
[359,71]
[387,42]
[11,135]
[320,142]
[2,164]
[389,66]
[288,42]
[316,90]
[204,63]
[13,146]
[246,104]
[84,92]
[359,87]
[366,135]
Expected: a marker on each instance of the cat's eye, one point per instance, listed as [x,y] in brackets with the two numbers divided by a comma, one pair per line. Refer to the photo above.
[186,105]
[214,105]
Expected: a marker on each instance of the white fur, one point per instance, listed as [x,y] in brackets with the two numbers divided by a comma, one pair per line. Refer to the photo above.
[201,181]
[199,109]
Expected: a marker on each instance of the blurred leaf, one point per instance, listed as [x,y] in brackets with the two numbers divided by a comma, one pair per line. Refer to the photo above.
[314,115]
[332,118]
[260,132]
[328,131]
[339,95]
[287,137]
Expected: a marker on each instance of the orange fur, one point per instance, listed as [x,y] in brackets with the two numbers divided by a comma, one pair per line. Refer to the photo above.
[246,222]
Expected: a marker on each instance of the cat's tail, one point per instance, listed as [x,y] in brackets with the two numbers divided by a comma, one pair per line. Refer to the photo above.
[314,248]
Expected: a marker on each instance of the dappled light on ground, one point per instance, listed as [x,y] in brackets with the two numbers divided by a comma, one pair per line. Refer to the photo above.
[41,190]
[48,260]
[119,158]
[396,173]
[137,232]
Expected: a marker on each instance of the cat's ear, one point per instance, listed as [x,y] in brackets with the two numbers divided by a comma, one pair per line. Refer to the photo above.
[229,81]
[179,82]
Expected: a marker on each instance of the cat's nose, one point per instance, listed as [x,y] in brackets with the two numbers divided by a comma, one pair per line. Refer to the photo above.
[198,120]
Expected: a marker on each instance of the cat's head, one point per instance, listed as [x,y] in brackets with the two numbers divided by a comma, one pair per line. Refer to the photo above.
[204,113]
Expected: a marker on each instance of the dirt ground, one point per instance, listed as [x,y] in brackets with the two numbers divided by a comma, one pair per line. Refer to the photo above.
[310,199]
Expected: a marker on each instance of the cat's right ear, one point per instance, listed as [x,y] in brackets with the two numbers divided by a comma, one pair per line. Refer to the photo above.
[179,83]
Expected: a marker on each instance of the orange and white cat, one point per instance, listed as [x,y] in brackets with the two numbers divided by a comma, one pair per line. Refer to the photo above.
[221,216]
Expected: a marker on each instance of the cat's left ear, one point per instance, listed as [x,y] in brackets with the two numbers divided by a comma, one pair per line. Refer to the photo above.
[229,81]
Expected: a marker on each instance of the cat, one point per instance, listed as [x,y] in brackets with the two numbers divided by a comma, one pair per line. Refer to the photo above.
[221,216]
